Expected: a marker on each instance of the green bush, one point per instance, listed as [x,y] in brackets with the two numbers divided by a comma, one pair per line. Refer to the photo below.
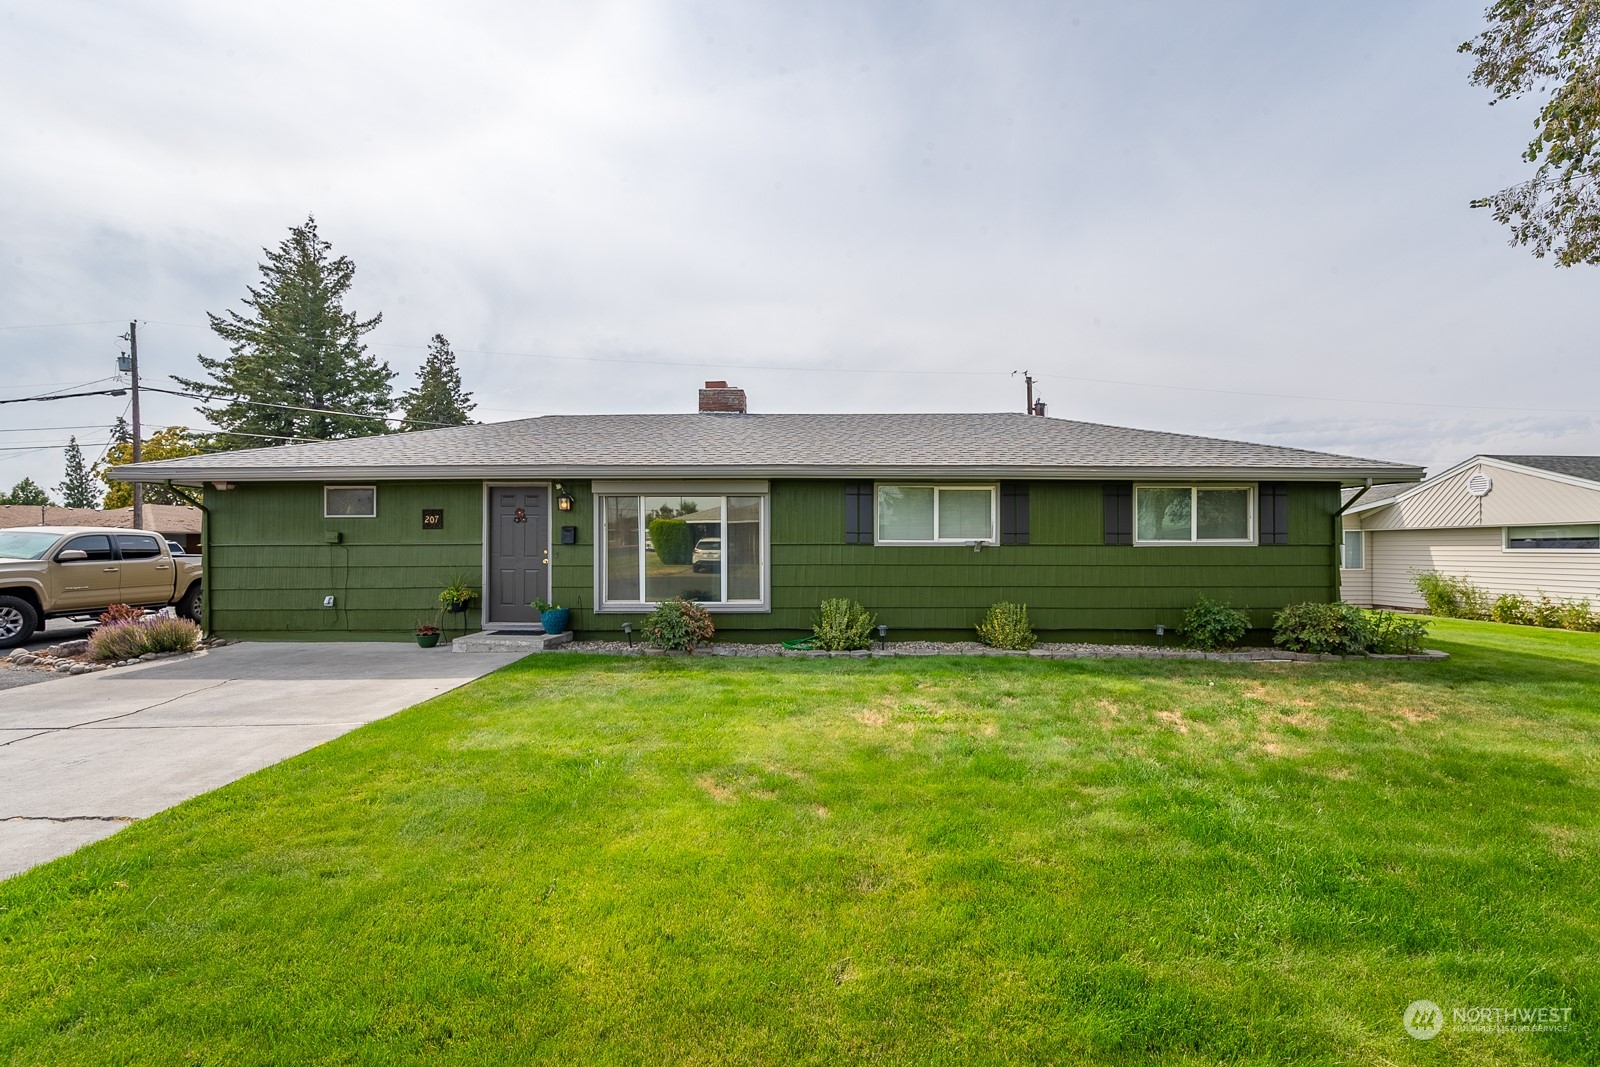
[1451,598]
[673,541]
[842,625]
[678,624]
[1005,625]
[1511,608]
[1578,615]
[1395,635]
[1337,629]
[1213,626]
[132,638]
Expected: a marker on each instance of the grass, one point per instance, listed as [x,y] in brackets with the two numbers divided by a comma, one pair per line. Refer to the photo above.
[584,860]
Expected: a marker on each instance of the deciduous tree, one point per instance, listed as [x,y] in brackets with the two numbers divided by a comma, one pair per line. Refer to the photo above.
[27,491]
[174,442]
[1549,47]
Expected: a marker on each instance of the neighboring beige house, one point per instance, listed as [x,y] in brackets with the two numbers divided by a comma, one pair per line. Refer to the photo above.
[1511,524]
[172,521]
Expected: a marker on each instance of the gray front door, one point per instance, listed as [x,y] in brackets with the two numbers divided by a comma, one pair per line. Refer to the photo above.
[519,553]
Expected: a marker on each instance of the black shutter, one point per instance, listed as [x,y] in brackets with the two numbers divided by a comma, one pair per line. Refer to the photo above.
[1272,509]
[858,513]
[1119,513]
[1013,513]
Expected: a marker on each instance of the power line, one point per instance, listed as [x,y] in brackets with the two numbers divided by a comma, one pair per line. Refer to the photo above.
[46,448]
[284,407]
[65,396]
[59,325]
[30,429]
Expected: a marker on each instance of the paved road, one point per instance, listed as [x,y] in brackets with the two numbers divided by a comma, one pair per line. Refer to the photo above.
[82,757]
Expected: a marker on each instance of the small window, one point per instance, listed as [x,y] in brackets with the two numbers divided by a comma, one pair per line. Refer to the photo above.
[1272,510]
[934,514]
[1118,499]
[1165,514]
[1581,537]
[138,546]
[858,513]
[97,545]
[1013,513]
[1355,555]
[349,502]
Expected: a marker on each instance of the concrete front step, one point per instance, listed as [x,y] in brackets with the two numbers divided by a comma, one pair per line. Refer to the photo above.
[508,642]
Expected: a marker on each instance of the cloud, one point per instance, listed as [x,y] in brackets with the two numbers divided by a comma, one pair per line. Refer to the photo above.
[909,201]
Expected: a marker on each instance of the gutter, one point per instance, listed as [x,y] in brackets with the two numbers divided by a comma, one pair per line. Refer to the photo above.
[205,555]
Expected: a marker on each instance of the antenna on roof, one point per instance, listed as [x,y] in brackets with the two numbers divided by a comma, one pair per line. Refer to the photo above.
[1035,407]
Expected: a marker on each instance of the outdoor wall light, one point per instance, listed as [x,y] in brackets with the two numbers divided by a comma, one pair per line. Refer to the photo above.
[563,499]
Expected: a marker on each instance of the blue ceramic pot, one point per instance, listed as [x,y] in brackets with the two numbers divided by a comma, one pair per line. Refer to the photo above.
[555,620]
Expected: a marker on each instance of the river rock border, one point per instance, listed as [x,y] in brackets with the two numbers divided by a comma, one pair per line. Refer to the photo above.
[64,658]
[972,648]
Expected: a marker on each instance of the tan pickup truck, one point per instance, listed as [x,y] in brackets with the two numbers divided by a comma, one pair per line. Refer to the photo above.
[49,572]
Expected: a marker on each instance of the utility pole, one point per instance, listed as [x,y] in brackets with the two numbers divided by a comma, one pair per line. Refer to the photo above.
[138,445]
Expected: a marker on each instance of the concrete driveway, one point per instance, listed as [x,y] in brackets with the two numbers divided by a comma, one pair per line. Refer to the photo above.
[82,757]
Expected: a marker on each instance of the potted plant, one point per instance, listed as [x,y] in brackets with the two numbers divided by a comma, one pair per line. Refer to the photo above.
[457,596]
[427,635]
[553,617]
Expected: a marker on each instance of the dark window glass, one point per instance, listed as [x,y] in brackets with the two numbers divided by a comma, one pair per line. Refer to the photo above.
[1119,513]
[858,513]
[97,545]
[1553,537]
[1272,517]
[138,546]
[1013,513]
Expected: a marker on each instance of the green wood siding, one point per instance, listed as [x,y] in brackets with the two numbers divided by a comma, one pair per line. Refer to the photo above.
[270,565]
[270,562]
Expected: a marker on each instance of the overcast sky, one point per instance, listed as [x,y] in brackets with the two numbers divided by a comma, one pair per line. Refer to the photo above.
[1242,220]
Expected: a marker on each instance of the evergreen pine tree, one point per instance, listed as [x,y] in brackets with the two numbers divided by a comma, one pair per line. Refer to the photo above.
[437,399]
[77,488]
[297,345]
[120,433]
[27,491]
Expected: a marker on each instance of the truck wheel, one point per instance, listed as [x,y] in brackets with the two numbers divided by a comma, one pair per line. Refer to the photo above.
[190,607]
[18,621]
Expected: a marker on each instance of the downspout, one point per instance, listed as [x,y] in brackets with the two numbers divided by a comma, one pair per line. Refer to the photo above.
[1338,537]
[205,555]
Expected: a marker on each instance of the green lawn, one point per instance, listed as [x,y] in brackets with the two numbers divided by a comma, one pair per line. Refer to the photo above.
[588,860]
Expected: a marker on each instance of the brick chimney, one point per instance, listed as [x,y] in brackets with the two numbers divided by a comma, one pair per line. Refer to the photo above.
[719,396]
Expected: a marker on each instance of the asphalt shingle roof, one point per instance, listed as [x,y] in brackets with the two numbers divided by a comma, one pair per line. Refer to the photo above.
[1585,467]
[733,445]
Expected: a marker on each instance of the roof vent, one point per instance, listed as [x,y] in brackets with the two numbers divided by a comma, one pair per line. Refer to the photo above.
[1479,485]
[719,396]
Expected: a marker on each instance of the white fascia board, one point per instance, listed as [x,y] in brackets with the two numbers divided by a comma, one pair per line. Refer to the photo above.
[545,472]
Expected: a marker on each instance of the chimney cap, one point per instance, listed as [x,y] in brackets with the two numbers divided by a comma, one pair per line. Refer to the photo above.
[716,385]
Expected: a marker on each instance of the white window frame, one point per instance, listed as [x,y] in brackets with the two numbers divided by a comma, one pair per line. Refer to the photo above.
[1505,540]
[1344,555]
[993,489]
[325,513]
[1251,508]
[726,607]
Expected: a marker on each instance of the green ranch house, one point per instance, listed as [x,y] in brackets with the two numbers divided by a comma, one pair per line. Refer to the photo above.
[924,519]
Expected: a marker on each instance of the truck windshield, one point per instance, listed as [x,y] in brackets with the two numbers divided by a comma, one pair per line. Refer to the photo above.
[26,544]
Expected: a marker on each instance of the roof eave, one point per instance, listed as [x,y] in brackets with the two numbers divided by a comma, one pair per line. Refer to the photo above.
[195,475]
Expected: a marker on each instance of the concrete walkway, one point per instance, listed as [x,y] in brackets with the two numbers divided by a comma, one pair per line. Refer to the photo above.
[82,757]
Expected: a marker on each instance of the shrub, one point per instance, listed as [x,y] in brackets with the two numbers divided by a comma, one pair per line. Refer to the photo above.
[1005,625]
[120,613]
[1395,635]
[678,624]
[673,541]
[842,625]
[133,638]
[1511,608]
[1211,625]
[1337,629]
[1578,615]
[1545,612]
[1451,598]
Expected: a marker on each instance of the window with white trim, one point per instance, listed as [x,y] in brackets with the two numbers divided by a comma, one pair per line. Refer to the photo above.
[349,501]
[707,548]
[936,514]
[1583,536]
[1355,550]
[1189,514]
